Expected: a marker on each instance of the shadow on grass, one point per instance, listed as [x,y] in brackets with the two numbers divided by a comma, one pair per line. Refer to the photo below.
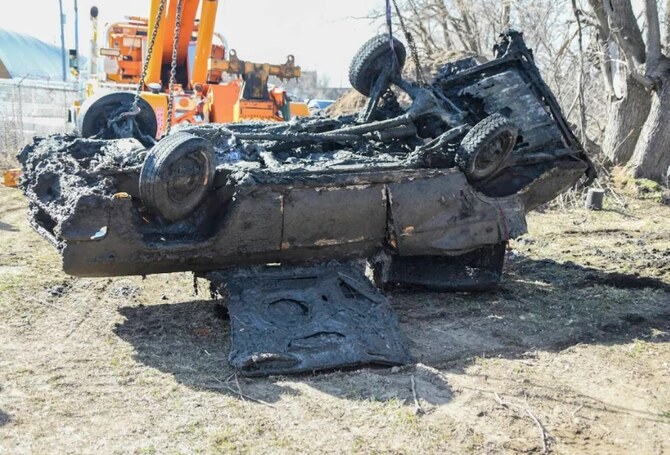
[7,227]
[191,341]
[541,305]
[4,419]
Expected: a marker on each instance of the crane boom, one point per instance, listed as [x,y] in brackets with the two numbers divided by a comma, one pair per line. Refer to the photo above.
[162,53]
[155,62]
[203,48]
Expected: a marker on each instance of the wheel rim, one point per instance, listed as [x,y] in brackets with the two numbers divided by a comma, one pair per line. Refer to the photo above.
[492,155]
[187,177]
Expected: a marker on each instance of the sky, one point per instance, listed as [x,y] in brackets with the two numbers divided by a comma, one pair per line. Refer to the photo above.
[323,35]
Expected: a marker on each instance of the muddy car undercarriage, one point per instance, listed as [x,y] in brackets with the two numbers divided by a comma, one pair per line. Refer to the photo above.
[300,224]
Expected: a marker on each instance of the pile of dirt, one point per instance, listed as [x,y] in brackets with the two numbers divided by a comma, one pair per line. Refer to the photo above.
[431,64]
[349,103]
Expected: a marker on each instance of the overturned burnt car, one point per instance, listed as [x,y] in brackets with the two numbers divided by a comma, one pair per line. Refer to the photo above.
[282,217]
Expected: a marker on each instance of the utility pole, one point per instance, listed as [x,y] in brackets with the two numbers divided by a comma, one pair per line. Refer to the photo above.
[76,30]
[94,43]
[62,41]
[80,87]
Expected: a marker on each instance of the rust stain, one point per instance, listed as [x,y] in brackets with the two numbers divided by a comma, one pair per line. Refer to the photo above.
[330,242]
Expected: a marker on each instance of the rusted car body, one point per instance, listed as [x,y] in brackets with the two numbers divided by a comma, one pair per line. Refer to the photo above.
[318,190]
[273,207]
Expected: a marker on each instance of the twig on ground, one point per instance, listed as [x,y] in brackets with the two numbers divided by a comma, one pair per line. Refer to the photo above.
[418,410]
[543,432]
[79,323]
[49,305]
[574,413]
[239,388]
[225,385]
[500,401]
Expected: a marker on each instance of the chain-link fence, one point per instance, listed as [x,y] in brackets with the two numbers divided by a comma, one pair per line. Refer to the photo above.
[31,108]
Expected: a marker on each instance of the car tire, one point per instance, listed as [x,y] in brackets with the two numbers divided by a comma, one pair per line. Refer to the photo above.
[96,111]
[371,59]
[176,175]
[486,147]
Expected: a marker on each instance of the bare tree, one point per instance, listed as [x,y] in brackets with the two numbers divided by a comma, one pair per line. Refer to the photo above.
[627,82]
[636,72]
[440,27]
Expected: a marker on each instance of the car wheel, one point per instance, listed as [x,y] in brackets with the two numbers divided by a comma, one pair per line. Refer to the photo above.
[371,59]
[97,111]
[176,175]
[486,147]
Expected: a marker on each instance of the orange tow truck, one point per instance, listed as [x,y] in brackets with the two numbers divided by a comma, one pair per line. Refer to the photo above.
[173,55]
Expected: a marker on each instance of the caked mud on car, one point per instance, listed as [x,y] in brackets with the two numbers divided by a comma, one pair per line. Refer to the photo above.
[301,223]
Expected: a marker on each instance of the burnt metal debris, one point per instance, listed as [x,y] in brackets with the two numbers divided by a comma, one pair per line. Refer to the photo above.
[427,195]
[300,319]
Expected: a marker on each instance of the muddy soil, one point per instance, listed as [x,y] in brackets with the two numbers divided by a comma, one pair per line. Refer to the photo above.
[575,341]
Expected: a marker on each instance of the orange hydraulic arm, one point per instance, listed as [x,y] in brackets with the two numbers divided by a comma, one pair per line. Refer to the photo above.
[161,56]
[203,47]
[156,60]
[255,75]
[186,26]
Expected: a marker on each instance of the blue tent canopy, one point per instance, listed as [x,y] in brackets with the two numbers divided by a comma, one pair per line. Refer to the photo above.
[26,56]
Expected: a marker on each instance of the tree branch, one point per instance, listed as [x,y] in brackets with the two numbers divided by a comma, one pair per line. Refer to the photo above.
[469,27]
[654,54]
[443,18]
[666,38]
[604,41]
[580,78]
[425,36]
[623,25]
[507,14]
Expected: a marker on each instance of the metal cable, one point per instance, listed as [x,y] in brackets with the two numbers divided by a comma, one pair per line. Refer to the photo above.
[389,24]
[412,46]
[173,65]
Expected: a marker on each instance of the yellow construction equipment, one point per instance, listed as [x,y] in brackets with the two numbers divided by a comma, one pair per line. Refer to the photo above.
[10,178]
[179,69]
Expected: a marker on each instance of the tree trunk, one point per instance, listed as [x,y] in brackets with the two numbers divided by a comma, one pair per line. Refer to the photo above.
[651,158]
[626,116]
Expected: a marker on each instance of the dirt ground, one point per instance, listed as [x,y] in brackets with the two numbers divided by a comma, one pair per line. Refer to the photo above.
[574,344]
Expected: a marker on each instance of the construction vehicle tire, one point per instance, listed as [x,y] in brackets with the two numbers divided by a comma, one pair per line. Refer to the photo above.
[96,112]
[176,175]
[486,147]
[370,60]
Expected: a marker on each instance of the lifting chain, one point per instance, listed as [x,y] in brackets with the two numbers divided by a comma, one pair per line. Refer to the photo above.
[173,65]
[412,47]
[150,49]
